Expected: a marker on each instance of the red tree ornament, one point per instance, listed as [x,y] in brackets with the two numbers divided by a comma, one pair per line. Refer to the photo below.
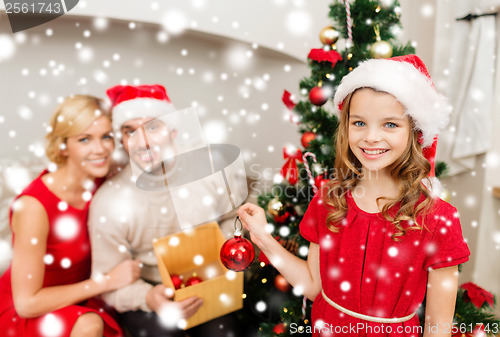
[237,253]
[193,280]
[281,284]
[279,328]
[319,95]
[307,137]
[320,181]
[176,280]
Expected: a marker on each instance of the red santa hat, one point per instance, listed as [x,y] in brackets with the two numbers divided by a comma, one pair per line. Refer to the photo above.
[131,102]
[407,79]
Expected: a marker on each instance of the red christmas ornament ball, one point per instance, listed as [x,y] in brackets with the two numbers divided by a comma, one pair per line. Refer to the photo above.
[279,328]
[176,280]
[319,95]
[307,137]
[320,181]
[281,284]
[237,253]
[193,280]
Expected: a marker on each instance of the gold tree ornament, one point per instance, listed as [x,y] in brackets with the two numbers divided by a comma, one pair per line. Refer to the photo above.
[380,49]
[445,195]
[275,206]
[328,35]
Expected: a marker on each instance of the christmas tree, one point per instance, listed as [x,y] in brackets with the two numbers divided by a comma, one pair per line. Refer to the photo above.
[362,29]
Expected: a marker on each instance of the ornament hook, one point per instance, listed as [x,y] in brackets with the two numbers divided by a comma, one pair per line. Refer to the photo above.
[237,231]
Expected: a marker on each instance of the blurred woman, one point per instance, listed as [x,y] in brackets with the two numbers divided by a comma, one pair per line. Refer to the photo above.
[47,290]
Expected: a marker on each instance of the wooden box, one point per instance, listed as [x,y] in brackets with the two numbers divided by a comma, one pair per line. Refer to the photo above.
[197,252]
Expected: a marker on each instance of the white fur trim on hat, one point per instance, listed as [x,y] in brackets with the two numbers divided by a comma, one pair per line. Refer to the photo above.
[413,89]
[140,108]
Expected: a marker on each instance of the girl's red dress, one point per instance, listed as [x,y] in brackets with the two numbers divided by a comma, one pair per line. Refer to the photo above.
[364,270]
[67,261]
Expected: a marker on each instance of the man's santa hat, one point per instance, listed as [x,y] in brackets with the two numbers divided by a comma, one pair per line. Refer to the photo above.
[140,101]
[407,79]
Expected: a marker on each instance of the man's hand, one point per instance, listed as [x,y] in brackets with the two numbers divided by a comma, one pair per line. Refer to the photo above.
[159,299]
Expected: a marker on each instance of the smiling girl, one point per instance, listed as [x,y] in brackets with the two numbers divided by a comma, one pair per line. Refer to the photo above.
[47,290]
[379,239]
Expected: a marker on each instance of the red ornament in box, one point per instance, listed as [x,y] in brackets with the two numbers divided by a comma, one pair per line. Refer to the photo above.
[319,95]
[307,137]
[193,280]
[237,253]
[176,280]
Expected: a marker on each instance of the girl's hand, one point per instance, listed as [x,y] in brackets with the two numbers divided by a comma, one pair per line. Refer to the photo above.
[125,273]
[254,220]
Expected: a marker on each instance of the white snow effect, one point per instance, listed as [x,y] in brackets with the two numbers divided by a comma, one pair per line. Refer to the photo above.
[215,131]
[298,22]
[170,315]
[34,241]
[492,160]
[51,326]
[269,228]
[199,4]
[231,275]
[100,76]
[85,54]
[16,178]
[198,260]
[326,242]
[25,113]
[303,250]
[345,286]
[100,23]
[37,148]
[175,21]
[66,227]
[496,237]
[225,299]
[7,47]
[430,248]
[470,201]
[207,200]
[278,178]
[48,259]
[237,57]
[65,263]
[284,231]
[174,241]
[261,306]
[393,251]
[122,248]
[259,83]
[319,324]
[477,95]
[298,290]
[62,206]
[334,272]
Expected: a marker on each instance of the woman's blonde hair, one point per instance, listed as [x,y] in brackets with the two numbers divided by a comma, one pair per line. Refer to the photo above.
[72,117]
[409,171]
